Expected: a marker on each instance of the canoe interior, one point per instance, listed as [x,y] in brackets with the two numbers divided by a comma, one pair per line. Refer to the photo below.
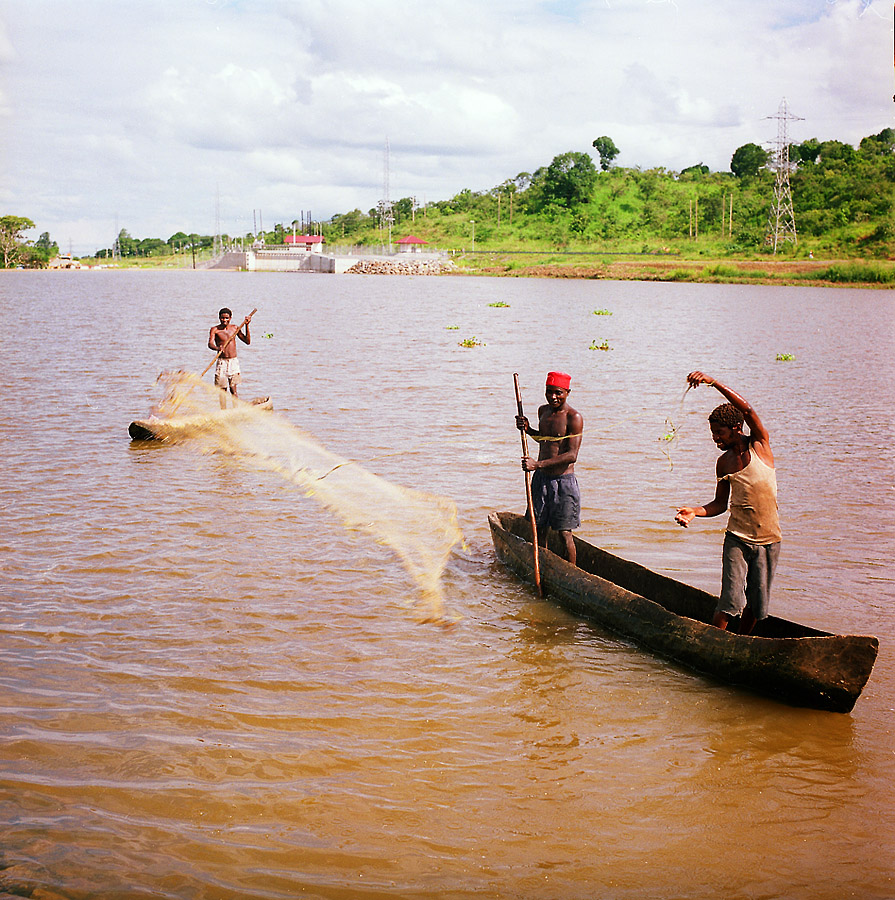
[675,596]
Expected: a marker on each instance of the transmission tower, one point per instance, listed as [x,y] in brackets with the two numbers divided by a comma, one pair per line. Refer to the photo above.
[116,245]
[218,242]
[782,219]
[386,213]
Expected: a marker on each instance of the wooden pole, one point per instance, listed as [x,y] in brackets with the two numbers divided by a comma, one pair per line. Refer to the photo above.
[531,506]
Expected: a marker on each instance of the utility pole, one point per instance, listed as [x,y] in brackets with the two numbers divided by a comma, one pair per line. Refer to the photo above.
[218,243]
[386,218]
[782,219]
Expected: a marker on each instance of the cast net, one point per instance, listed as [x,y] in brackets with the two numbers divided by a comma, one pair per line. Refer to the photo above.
[420,528]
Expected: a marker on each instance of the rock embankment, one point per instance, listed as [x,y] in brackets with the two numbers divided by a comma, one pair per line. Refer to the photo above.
[402,267]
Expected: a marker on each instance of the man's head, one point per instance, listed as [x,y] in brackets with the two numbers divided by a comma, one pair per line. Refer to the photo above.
[558,388]
[225,314]
[726,423]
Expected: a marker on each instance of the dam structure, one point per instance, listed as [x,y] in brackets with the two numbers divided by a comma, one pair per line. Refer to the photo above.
[310,258]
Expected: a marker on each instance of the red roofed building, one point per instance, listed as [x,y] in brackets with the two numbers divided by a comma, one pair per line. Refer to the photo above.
[410,244]
[306,242]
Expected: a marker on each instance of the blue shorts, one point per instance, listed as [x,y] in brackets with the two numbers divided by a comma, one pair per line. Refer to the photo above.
[747,571]
[557,501]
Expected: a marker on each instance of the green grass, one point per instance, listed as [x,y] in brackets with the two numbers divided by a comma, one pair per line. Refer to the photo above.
[857,273]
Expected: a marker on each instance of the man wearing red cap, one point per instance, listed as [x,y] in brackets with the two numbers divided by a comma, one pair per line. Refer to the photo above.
[554,487]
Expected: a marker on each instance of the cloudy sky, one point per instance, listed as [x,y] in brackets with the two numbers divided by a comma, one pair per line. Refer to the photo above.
[161,115]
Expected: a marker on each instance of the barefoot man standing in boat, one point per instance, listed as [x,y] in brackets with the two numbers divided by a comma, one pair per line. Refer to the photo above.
[748,481]
[554,487]
[221,339]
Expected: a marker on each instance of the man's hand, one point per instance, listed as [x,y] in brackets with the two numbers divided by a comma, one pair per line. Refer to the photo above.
[694,379]
[685,515]
[529,464]
[522,423]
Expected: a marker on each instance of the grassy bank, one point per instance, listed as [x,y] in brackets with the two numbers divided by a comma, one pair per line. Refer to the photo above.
[826,273]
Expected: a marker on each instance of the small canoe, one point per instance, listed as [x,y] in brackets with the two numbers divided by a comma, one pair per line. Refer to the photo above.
[780,659]
[162,429]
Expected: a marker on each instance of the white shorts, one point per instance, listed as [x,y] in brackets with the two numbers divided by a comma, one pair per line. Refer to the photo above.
[226,373]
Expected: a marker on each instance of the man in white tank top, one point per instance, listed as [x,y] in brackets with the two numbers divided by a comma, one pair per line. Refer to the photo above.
[747,481]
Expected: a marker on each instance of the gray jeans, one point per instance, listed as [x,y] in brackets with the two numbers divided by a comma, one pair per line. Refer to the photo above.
[747,571]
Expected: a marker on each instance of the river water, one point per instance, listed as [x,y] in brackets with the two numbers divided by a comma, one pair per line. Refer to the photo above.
[211,688]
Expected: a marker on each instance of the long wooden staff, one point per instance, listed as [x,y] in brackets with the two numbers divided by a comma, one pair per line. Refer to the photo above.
[226,344]
[531,506]
[186,393]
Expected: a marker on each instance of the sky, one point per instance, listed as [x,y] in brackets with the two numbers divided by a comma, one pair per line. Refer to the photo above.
[162,116]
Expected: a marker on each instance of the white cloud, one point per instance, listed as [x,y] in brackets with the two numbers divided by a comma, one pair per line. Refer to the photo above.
[144,113]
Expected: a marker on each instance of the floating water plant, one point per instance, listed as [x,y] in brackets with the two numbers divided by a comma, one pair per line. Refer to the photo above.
[470,342]
[501,304]
[665,440]
[602,312]
[269,335]
[603,346]
[785,357]
[452,327]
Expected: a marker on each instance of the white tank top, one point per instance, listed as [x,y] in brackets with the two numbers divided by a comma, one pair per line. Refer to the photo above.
[753,502]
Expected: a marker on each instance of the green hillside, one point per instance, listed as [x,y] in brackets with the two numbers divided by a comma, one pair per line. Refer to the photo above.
[842,203]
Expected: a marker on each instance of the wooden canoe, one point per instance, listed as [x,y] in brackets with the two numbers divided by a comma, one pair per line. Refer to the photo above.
[784,660]
[166,429]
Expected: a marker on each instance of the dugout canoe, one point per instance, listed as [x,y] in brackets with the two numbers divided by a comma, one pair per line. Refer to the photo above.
[154,429]
[781,659]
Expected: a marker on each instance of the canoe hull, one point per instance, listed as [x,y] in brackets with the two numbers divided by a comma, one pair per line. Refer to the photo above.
[784,660]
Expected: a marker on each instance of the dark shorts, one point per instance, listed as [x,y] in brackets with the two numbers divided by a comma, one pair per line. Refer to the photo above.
[557,501]
[747,571]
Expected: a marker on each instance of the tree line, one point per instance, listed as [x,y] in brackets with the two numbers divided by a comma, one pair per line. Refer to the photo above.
[843,201]
[16,251]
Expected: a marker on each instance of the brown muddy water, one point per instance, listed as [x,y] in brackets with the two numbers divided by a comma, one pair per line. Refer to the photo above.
[211,688]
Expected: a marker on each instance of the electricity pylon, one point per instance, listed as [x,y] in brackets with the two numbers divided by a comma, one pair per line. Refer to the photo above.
[782,219]
[386,209]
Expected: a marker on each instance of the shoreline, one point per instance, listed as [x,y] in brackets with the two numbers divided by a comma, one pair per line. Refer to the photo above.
[829,273]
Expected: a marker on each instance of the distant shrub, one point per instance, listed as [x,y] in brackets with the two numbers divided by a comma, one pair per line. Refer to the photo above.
[680,275]
[723,271]
[857,273]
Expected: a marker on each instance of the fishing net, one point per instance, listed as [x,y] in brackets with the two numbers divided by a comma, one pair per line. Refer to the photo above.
[420,528]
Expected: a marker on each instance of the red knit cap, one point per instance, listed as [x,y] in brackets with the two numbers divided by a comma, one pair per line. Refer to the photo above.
[559,379]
